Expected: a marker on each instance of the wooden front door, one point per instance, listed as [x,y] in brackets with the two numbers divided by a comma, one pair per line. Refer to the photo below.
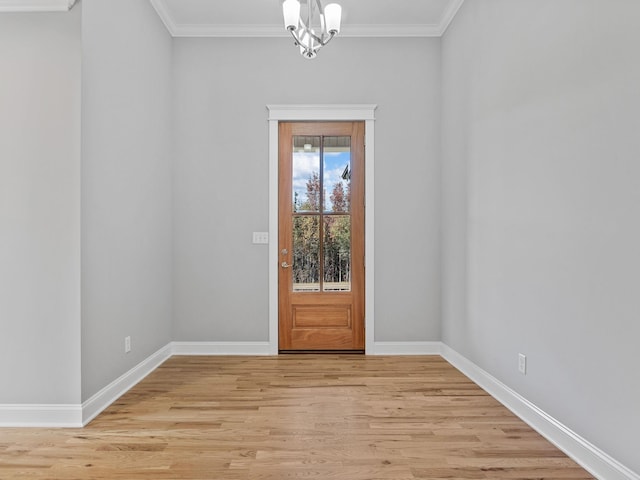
[321,236]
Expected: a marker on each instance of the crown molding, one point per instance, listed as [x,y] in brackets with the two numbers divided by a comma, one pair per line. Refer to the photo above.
[449,15]
[165,16]
[389,30]
[31,6]
[263,31]
[238,31]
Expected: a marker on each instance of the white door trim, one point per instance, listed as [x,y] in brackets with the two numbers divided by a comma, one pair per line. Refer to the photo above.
[278,113]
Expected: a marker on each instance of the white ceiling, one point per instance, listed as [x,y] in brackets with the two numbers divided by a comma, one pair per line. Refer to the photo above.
[263,18]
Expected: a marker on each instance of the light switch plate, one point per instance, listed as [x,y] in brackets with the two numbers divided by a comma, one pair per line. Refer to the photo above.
[260,237]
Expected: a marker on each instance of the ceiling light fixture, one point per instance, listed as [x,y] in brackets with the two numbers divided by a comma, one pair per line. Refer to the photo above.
[306,33]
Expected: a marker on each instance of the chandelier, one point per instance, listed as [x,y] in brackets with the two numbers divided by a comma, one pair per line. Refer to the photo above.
[319,27]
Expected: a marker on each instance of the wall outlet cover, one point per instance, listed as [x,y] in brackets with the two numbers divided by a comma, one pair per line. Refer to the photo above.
[522,364]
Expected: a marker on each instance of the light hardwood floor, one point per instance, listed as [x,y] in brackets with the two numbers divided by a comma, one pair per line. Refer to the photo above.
[293,417]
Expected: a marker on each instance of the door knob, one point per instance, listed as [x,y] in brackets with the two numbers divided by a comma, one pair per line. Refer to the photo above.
[285,265]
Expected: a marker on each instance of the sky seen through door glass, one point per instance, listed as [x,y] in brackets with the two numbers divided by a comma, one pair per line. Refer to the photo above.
[308,163]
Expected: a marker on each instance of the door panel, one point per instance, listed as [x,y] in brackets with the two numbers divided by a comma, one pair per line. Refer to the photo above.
[321,316]
[321,236]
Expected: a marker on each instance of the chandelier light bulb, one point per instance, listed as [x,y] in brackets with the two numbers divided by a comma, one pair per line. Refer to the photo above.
[291,14]
[332,17]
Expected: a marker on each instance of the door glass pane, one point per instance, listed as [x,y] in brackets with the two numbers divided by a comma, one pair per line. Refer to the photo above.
[337,253]
[336,174]
[306,174]
[306,253]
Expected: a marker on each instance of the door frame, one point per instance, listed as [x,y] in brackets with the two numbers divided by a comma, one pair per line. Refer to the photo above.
[301,113]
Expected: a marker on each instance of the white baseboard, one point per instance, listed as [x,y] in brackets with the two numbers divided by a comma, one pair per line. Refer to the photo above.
[406,348]
[264,348]
[109,394]
[220,348]
[587,455]
[44,416]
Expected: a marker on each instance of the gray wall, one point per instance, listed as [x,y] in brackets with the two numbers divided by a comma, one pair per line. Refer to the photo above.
[40,208]
[221,175]
[126,188]
[539,195]
[541,204]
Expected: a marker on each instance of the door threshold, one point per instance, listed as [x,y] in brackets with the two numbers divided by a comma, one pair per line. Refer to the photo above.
[323,352]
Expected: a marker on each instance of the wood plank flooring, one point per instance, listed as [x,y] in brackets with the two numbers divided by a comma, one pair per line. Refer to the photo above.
[293,417]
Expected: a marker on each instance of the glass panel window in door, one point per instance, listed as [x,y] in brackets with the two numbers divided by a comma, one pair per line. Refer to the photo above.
[337,253]
[336,232]
[321,220]
[336,174]
[306,174]
[306,253]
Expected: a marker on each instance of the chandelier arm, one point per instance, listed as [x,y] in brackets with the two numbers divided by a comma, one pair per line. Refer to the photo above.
[323,42]
[293,33]
[307,29]
[323,28]
[323,39]
[316,37]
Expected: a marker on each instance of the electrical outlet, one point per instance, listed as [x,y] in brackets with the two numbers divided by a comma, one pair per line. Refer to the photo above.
[127,344]
[261,237]
[522,364]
